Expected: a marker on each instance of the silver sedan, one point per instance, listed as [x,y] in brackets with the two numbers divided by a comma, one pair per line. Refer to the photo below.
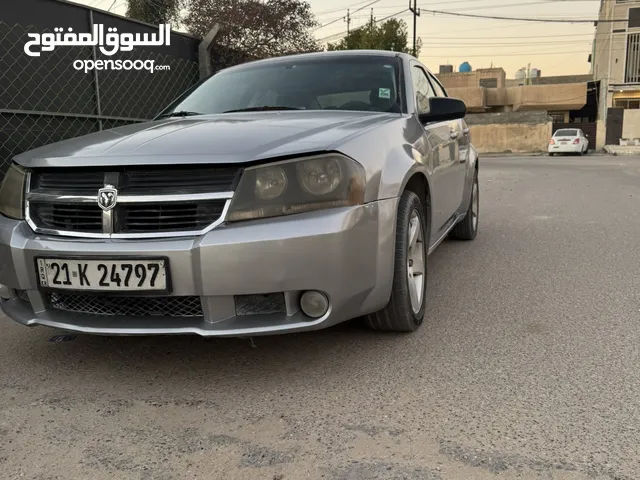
[276,196]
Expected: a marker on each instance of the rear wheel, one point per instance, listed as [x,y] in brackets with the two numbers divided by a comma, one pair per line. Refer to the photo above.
[405,310]
[468,227]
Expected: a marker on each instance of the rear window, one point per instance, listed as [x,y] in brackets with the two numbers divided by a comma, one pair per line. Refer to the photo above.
[566,133]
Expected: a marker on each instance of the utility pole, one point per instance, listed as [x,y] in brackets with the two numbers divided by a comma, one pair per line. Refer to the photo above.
[416,13]
[348,20]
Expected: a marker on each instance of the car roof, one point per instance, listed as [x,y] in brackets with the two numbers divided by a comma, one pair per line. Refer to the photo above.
[327,55]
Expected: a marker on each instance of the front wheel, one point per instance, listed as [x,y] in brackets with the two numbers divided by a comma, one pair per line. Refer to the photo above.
[405,310]
[468,227]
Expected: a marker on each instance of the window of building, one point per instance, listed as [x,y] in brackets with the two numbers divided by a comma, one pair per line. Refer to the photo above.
[632,65]
[489,82]
[627,103]
[634,17]
[557,117]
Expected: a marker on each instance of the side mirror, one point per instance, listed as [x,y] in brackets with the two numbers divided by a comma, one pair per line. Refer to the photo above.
[442,109]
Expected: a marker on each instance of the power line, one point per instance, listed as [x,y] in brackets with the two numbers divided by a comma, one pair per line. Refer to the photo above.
[502,5]
[341,9]
[498,45]
[521,19]
[337,35]
[512,54]
[540,2]
[348,16]
[518,37]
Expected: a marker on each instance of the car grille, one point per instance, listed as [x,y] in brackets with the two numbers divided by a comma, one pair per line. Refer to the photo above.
[22,295]
[152,181]
[127,306]
[261,304]
[69,217]
[149,200]
[76,183]
[170,217]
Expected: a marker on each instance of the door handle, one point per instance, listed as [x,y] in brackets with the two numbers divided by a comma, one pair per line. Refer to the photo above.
[465,132]
[453,134]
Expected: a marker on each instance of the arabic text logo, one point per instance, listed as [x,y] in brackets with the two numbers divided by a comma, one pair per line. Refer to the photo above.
[109,44]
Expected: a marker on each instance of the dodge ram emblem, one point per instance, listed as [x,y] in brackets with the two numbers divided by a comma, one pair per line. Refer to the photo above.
[107,198]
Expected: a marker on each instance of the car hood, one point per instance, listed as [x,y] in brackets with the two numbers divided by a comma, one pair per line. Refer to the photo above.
[221,138]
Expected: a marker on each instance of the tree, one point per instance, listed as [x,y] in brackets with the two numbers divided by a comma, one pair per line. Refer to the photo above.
[392,34]
[255,28]
[155,12]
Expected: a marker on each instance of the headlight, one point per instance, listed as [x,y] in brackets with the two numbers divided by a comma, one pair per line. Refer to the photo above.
[270,183]
[319,177]
[296,186]
[12,193]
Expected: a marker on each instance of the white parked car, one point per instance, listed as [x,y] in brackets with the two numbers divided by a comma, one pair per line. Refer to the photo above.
[569,140]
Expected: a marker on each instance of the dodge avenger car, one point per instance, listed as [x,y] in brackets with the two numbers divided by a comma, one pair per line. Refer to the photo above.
[275,196]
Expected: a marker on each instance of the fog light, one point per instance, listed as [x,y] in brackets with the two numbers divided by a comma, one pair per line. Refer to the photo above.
[314,304]
[5,292]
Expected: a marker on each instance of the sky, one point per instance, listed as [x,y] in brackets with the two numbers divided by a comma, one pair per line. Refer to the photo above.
[554,48]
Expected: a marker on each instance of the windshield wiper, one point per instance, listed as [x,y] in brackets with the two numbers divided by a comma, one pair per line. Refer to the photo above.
[180,113]
[264,108]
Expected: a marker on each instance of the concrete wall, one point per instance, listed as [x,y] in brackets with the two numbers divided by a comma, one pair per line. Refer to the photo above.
[570,96]
[631,124]
[601,134]
[605,35]
[471,79]
[551,80]
[474,98]
[517,132]
[609,48]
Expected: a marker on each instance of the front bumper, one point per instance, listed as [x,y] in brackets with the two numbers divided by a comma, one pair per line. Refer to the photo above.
[345,253]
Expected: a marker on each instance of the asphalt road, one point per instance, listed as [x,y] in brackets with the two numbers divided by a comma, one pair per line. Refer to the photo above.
[528,366]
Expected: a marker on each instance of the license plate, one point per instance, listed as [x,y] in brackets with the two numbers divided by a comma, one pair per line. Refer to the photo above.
[133,275]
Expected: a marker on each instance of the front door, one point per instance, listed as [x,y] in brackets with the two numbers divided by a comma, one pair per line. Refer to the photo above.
[440,153]
[459,151]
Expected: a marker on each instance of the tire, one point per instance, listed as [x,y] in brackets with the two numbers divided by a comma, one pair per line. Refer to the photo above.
[467,229]
[405,311]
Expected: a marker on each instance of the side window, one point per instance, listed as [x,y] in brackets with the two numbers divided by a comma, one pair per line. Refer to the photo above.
[422,89]
[439,89]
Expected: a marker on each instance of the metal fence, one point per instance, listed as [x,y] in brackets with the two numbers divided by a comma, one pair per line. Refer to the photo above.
[45,99]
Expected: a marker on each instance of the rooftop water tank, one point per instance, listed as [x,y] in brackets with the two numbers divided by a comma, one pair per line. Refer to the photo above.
[465,67]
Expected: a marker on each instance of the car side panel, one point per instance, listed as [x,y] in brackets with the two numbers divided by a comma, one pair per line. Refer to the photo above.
[472,164]
[438,149]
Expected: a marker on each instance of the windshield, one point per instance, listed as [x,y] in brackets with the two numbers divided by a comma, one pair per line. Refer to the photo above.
[566,133]
[362,83]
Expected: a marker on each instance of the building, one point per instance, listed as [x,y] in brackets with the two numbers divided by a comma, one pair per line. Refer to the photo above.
[568,99]
[615,63]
